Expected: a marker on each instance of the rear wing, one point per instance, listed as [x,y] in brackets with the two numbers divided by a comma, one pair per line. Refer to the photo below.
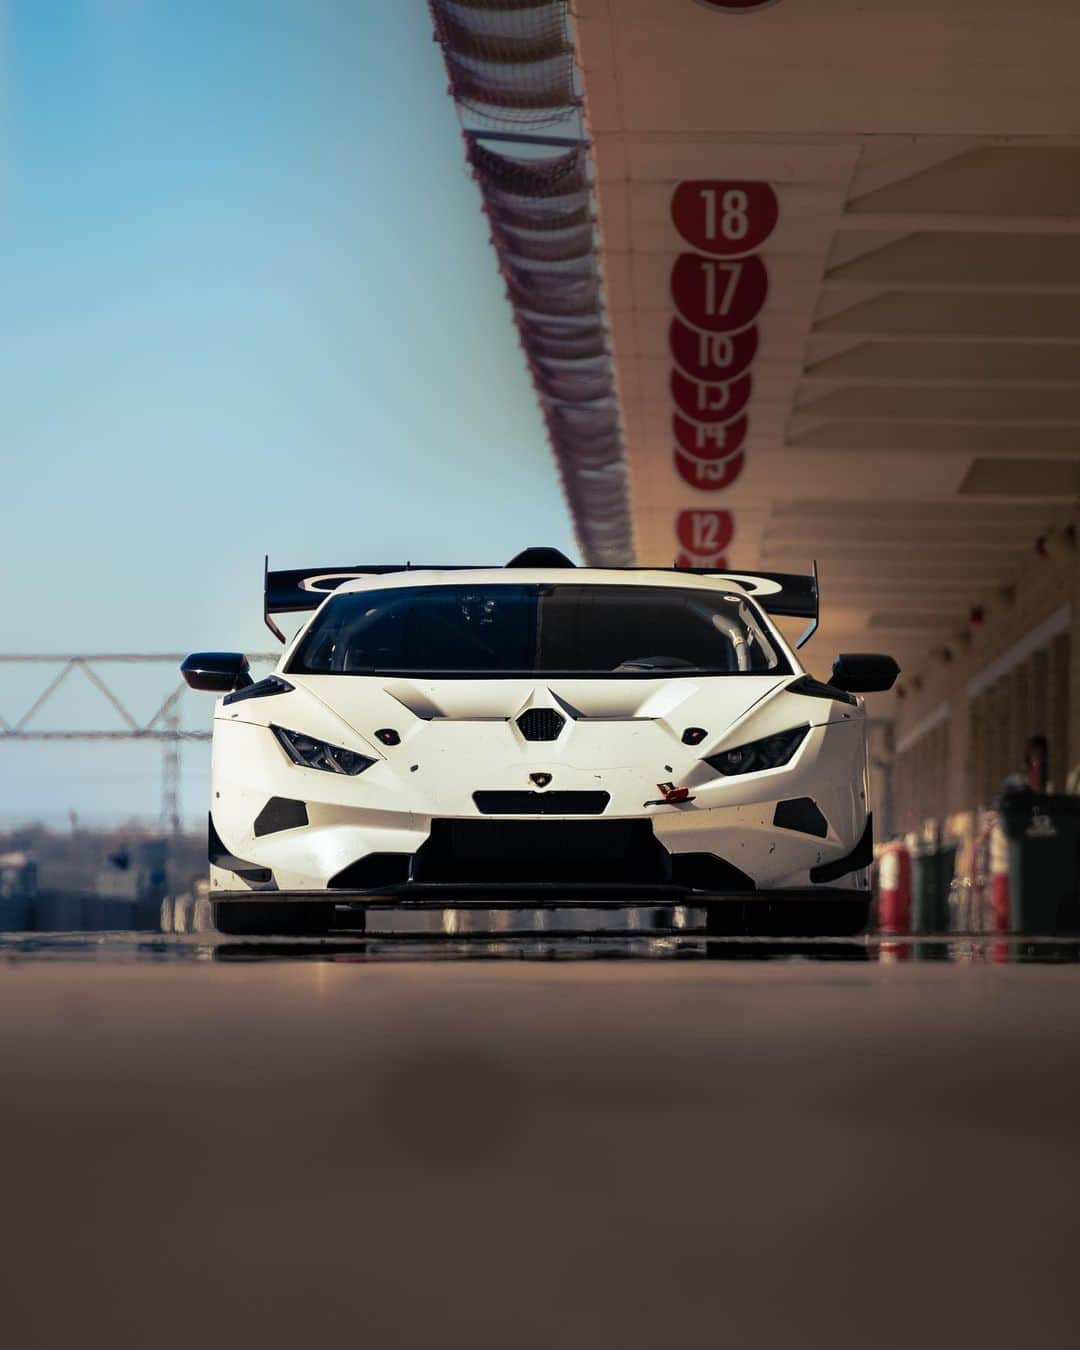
[785,593]
[292,592]
[305,588]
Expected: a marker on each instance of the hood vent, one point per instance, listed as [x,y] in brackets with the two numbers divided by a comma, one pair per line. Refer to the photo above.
[541,724]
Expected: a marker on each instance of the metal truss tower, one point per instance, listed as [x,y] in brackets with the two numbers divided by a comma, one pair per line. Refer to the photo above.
[170,778]
[163,728]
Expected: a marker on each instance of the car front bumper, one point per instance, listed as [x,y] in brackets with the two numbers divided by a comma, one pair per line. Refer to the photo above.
[405,818]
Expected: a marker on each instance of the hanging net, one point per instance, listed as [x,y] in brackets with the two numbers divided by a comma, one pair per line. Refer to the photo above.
[511,64]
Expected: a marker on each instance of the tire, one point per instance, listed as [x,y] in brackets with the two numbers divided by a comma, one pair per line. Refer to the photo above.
[281,919]
[788,918]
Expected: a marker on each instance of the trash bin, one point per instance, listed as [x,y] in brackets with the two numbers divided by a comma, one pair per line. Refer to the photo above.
[1043,830]
[14,913]
[932,867]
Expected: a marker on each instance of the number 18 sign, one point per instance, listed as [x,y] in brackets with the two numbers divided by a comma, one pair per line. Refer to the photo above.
[724,218]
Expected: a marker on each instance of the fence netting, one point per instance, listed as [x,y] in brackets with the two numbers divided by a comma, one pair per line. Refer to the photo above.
[512,66]
[508,62]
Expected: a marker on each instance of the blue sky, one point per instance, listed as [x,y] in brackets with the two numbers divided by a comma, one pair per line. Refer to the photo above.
[249,306]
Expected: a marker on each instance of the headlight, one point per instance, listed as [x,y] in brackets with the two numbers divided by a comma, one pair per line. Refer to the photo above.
[313,754]
[768,753]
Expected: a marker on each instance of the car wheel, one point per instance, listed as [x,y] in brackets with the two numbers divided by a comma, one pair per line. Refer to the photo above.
[282,919]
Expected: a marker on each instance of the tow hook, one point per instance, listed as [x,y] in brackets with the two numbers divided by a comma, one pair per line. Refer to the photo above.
[672,796]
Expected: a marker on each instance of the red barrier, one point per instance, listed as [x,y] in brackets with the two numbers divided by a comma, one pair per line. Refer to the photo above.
[999,878]
[894,889]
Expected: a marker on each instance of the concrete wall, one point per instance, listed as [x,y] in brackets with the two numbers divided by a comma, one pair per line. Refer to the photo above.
[965,716]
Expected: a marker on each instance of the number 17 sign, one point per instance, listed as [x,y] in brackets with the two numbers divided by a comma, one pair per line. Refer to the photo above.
[718,296]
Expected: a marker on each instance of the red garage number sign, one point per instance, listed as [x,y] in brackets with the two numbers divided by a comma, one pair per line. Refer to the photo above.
[718,291]
[708,475]
[718,295]
[710,402]
[709,441]
[711,356]
[705,534]
[727,218]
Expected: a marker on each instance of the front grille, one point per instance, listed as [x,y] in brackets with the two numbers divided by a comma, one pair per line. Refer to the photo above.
[541,803]
[541,724]
[542,850]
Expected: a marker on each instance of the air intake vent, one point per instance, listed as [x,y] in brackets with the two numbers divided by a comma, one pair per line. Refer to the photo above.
[802,814]
[541,803]
[541,724]
[569,852]
[372,872]
[280,813]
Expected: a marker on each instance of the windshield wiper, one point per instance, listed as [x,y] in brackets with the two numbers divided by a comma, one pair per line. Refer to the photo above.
[657,663]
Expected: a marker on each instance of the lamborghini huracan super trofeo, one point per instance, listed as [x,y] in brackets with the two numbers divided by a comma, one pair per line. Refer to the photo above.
[538,734]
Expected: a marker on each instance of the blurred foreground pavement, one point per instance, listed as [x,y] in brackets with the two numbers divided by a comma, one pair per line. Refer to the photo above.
[608,1155]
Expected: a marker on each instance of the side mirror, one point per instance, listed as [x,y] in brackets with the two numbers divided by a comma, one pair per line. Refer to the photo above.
[863,673]
[216,672]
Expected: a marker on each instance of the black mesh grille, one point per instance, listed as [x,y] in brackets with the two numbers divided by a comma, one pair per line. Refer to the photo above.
[541,803]
[541,724]
[570,851]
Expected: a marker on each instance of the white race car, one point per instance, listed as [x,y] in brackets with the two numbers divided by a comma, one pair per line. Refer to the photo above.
[539,735]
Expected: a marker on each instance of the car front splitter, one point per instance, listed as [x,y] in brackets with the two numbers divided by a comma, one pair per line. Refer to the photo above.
[535,895]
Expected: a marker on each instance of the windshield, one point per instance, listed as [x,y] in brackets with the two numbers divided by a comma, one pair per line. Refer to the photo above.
[525,630]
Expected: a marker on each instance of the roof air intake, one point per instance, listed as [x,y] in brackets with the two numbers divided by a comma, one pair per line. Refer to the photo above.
[540,557]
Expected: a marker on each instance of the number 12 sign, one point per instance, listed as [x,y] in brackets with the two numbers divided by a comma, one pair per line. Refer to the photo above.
[704,533]
[725,218]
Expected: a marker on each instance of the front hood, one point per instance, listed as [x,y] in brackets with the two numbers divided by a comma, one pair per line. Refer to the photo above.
[606,717]
[444,741]
[368,702]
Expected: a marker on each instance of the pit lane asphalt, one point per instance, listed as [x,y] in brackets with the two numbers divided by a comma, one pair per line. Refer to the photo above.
[407,1142]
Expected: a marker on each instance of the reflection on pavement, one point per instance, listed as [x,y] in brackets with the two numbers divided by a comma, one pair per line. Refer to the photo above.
[567,945]
[59,927]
